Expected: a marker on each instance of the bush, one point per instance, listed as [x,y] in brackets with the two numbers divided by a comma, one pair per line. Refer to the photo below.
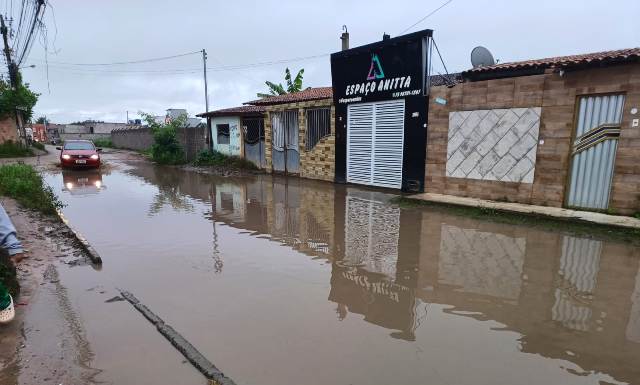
[215,158]
[103,143]
[23,183]
[38,145]
[166,148]
[9,149]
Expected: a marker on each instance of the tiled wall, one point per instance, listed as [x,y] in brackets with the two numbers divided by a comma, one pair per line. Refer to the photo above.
[498,144]
[317,163]
[556,97]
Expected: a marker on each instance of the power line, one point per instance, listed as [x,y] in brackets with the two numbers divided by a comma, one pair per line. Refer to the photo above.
[126,62]
[427,16]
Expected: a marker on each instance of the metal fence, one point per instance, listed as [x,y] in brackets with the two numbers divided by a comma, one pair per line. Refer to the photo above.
[318,126]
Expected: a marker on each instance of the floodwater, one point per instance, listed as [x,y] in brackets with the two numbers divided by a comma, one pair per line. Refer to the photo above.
[286,281]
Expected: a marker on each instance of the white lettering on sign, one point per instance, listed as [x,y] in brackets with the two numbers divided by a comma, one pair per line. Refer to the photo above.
[366,88]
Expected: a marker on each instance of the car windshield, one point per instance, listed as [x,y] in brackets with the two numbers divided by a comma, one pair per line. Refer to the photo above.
[78,146]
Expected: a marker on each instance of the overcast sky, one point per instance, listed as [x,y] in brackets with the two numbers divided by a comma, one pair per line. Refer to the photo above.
[241,33]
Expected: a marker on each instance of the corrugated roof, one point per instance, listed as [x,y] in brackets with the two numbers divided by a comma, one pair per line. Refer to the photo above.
[240,110]
[302,96]
[616,56]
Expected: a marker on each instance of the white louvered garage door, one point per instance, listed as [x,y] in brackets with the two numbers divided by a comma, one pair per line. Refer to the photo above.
[375,140]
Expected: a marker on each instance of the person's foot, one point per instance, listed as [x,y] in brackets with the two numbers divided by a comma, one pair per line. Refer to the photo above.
[17,258]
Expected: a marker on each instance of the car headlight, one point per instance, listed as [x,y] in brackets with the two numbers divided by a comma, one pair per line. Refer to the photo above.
[65,156]
[98,184]
[69,185]
[94,157]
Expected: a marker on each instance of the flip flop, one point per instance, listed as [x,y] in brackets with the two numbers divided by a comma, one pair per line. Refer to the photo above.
[8,314]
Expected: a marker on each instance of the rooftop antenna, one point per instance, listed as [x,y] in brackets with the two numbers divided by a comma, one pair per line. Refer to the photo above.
[481,57]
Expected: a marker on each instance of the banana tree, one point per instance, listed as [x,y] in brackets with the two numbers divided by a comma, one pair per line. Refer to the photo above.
[294,85]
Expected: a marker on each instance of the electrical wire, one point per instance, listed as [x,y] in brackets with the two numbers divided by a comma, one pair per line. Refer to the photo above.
[426,16]
[126,62]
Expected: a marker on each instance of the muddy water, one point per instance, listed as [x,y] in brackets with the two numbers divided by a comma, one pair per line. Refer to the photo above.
[284,281]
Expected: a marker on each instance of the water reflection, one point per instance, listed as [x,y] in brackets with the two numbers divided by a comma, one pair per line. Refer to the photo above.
[569,297]
[82,182]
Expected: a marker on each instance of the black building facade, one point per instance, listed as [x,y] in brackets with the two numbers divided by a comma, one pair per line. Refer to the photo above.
[380,96]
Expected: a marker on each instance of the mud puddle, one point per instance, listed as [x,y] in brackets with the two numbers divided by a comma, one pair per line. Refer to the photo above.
[284,281]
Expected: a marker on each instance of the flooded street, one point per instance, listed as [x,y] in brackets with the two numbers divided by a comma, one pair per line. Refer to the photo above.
[287,281]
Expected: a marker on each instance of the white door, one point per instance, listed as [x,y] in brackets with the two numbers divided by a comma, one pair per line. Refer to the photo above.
[375,140]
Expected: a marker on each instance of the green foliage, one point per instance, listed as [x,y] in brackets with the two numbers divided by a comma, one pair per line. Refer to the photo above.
[41,120]
[38,145]
[22,98]
[10,149]
[215,158]
[166,148]
[103,143]
[23,183]
[294,85]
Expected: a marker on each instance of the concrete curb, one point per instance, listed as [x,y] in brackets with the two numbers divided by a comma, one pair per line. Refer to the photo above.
[200,362]
[82,241]
[556,213]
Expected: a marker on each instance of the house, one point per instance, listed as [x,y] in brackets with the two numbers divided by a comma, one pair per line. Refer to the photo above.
[238,131]
[174,113]
[380,96]
[300,133]
[560,131]
[89,129]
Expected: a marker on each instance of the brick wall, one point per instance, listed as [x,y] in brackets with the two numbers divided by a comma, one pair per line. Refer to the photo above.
[141,139]
[557,98]
[8,130]
[317,163]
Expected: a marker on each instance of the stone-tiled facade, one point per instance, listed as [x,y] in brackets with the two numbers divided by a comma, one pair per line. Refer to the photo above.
[317,163]
[497,144]
[556,97]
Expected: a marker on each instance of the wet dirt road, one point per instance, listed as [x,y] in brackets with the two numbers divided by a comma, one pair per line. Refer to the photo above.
[285,281]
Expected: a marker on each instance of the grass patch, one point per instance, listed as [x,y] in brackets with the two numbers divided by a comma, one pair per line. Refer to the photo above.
[103,143]
[530,220]
[215,158]
[10,149]
[23,183]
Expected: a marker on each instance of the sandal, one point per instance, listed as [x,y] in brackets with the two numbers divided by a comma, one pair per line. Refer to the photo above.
[8,314]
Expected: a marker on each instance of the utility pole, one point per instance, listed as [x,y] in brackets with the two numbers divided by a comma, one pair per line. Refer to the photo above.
[13,75]
[206,98]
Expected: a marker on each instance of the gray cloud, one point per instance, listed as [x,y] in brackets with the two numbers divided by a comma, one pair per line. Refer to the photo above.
[244,32]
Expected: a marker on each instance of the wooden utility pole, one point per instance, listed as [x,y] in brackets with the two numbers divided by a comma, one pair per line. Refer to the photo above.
[13,75]
[207,139]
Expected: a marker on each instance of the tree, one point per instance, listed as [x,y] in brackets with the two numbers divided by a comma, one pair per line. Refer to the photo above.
[41,120]
[166,148]
[21,98]
[294,85]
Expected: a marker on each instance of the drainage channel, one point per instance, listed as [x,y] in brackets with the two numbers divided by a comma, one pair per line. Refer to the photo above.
[200,362]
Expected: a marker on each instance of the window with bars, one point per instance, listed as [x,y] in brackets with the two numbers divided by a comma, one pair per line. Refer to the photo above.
[223,133]
[318,126]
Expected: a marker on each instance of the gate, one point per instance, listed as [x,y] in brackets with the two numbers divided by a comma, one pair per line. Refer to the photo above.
[594,151]
[285,155]
[375,141]
[254,141]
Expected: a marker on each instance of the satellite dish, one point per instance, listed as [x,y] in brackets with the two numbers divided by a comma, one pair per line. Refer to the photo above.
[481,57]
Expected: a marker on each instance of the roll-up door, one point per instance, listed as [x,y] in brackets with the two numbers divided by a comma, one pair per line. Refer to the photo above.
[375,140]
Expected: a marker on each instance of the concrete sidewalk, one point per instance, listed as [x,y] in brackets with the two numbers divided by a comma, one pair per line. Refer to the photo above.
[552,212]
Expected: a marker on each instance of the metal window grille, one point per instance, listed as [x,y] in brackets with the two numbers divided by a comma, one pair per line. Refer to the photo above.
[223,133]
[318,126]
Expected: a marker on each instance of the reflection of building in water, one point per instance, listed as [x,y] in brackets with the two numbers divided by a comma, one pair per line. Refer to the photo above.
[560,293]
[481,262]
[372,231]
[633,327]
[576,282]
